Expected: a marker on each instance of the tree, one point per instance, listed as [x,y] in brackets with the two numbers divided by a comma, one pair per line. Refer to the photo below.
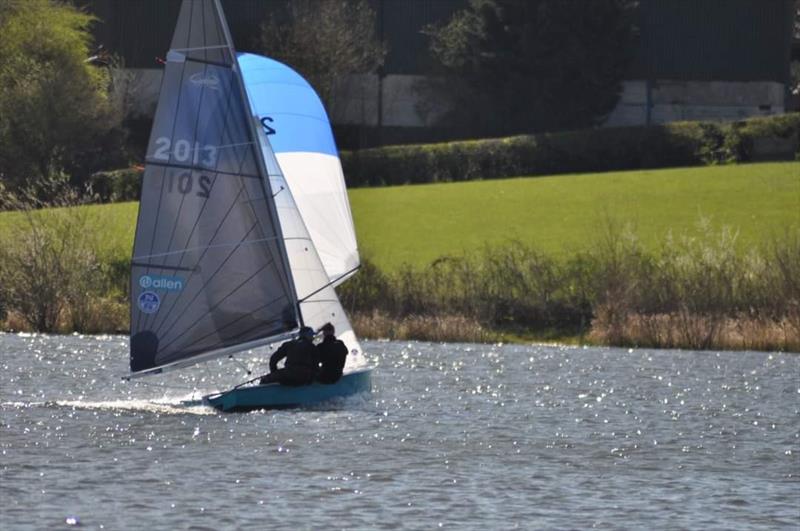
[55,114]
[325,41]
[520,66]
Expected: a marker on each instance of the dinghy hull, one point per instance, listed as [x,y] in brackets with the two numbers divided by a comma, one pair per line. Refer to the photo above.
[275,396]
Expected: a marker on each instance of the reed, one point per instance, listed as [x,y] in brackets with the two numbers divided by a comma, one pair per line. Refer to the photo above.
[448,328]
[694,291]
[54,279]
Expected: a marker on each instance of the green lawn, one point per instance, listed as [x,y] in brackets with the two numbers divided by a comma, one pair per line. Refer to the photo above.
[561,214]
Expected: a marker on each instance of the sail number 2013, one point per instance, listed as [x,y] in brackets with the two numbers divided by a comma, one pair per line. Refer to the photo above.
[184,151]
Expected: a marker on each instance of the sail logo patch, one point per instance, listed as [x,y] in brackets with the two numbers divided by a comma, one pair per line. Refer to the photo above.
[149,302]
[205,80]
[162,283]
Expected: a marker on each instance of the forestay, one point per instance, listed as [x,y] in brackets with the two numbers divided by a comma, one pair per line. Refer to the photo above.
[209,270]
[318,301]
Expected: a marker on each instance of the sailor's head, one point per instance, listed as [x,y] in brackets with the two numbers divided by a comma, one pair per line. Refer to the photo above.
[307,333]
[328,329]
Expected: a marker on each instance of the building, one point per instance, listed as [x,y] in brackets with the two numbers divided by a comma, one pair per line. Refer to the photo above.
[696,60]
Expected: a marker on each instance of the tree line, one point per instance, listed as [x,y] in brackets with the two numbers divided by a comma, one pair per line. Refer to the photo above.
[504,67]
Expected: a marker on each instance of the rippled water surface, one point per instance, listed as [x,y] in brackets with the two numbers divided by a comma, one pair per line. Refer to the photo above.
[453,435]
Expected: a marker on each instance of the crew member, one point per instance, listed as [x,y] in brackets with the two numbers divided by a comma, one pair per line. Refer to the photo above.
[302,361]
[332,354]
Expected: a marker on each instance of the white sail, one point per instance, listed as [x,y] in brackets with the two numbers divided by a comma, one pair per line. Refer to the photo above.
[319,303]
[301,138]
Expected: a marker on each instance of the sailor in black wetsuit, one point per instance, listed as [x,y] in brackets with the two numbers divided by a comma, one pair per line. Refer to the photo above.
[302,361]
[332,354]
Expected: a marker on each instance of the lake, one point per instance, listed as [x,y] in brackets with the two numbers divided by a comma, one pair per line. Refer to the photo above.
[459,436]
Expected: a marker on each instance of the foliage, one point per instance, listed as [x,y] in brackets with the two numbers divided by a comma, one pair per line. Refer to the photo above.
[588,150]
[683,293]
[324,41]
[523,66]
[55,113]
[53,275]
[116,185]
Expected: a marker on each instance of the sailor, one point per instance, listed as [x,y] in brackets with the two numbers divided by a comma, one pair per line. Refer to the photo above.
[301,362]
[332,354]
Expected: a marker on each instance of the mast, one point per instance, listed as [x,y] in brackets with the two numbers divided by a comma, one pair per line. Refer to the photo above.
[260,158]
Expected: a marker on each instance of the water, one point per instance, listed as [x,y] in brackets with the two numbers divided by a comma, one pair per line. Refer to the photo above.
[453,436]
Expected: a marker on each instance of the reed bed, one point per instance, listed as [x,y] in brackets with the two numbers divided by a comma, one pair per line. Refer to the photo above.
[698,291]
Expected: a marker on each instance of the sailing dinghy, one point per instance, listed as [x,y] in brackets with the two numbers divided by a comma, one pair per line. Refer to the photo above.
[232,252]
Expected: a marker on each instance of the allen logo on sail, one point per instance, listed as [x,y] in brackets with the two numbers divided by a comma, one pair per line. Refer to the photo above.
[162,283]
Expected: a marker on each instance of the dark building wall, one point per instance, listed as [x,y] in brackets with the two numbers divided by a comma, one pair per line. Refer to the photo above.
[703,40]
[714,40]
[141,30]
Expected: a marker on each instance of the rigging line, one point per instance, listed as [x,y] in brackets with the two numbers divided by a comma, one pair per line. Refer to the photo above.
[199,259]
[200,247]
[207,281]
[243,316]
[214,307]
[241,365]
[301,301]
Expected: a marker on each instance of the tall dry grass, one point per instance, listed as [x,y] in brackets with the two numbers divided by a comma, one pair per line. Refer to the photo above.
[695,291]
[54,279]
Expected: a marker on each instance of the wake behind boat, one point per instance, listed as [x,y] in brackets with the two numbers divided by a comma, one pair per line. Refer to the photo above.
[232,252]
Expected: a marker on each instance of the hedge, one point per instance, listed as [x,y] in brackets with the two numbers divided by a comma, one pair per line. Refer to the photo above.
[591,150]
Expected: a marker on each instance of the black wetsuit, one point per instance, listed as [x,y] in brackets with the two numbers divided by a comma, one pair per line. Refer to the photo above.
[332,354]
[302,361]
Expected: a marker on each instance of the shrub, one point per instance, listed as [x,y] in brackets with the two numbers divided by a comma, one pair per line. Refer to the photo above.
[52,277]
[116,185]
[589,150]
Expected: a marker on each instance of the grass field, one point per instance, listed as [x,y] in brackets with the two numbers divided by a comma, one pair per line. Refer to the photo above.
[558,215]
[561,214]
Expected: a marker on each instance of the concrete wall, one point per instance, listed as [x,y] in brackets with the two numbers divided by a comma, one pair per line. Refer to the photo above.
[392,102]
[696,100]
[357,100]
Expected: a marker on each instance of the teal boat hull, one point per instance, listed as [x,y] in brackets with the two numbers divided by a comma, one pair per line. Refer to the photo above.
[276,396]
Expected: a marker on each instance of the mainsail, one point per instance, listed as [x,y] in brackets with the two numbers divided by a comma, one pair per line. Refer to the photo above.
[223,259]
[209,269]
[300,135]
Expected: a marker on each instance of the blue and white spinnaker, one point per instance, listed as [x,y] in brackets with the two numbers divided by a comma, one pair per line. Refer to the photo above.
[300,135]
